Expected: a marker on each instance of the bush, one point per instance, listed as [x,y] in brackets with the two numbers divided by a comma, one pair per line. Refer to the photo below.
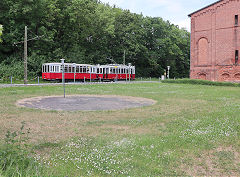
[15,157]
[201,82]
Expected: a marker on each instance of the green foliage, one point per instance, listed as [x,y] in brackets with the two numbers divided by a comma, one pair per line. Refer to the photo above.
[201,82]
[15,159]
[88,31]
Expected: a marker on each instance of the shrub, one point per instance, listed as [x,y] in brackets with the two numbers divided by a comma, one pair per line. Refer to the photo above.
[201,82]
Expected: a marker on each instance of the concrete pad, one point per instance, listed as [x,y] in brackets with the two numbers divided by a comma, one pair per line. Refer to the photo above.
[85,102]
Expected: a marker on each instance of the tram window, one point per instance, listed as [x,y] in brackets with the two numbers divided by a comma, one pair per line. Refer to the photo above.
[66,69]
[122,71]
[47,68]
[88,69]
[111,71]
[101,70]
[97,70]
[77,69]
[84,69]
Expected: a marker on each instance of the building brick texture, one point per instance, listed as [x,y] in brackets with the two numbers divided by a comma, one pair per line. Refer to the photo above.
[215,42]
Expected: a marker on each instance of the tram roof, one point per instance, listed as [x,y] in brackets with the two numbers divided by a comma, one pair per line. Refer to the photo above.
[67,64]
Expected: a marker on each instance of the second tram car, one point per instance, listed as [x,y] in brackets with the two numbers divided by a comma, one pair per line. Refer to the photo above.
[53,71]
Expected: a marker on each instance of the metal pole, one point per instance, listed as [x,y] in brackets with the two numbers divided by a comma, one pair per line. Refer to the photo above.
[90,74]
[63,79]
[74,65]
[129,74]
[38,80]
[25,56]
[168,67]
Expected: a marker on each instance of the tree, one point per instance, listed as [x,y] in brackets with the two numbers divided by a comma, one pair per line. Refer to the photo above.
[88,31]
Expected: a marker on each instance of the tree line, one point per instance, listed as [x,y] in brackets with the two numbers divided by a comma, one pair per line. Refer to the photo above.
[91,32]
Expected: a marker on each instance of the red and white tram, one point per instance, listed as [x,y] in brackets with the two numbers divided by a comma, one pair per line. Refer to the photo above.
[53,71]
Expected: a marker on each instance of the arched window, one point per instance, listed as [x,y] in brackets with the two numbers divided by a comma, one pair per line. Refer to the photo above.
[202,51]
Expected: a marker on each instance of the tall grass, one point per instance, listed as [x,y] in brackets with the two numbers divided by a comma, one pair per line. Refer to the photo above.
[15,156]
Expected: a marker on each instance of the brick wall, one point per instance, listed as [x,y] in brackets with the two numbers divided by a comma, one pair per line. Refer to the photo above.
[214,40]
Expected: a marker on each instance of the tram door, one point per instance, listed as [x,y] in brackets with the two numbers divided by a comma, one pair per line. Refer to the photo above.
[104,73]
[131,70]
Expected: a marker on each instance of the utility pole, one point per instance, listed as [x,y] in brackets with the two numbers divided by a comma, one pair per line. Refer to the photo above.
[25,50]
[25,56]
[124,57]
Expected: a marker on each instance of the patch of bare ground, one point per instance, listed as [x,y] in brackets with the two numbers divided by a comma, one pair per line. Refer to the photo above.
[123,129]
[223,161]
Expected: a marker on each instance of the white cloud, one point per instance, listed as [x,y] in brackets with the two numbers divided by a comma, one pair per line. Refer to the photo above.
[184,24]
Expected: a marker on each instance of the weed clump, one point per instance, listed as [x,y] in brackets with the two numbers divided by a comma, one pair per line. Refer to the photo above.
[15,156]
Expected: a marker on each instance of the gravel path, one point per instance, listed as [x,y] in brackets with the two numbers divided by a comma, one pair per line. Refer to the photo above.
[77,83]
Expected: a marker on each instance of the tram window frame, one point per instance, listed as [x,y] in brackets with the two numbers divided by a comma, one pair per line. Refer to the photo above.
[65,68]
[84,69]
[77,69]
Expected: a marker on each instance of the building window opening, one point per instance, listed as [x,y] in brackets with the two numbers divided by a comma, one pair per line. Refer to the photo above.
[236,20]
[236,56]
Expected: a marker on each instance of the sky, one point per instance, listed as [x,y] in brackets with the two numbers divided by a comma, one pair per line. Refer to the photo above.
[176,11]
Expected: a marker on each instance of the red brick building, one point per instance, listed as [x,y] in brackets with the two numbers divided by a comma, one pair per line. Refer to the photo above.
[215,42]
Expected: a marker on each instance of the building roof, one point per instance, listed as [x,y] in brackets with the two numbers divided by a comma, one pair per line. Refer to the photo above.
[204,8]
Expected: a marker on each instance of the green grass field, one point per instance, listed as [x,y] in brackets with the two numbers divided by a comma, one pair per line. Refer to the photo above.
[193,130]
